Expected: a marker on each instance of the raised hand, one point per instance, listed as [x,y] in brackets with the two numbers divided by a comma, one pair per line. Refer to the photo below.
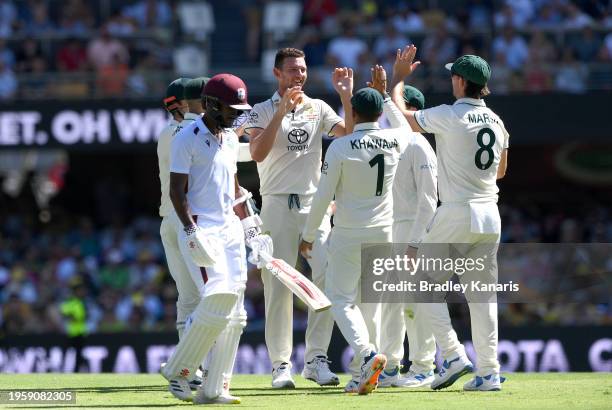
[404,65]
[342,78]
[379,79]
[292,97]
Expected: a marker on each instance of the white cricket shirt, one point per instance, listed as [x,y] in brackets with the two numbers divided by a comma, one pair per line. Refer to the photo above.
[293,166]
[415,189]
[163,158]
[469,141]
[359,170]
[211,166]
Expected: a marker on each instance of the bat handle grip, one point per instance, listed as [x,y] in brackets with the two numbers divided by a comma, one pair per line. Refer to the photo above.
[265,256]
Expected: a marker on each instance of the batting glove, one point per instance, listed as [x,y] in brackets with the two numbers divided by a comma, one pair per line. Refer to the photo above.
[204,250]
[260,243]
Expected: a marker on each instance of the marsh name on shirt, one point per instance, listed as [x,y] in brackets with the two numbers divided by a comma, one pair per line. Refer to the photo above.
[483,118]
[374,143]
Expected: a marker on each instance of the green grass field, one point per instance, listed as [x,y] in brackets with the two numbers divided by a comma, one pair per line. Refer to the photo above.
[520,391]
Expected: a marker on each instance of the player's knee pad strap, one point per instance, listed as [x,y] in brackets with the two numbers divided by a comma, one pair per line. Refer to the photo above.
[238,322]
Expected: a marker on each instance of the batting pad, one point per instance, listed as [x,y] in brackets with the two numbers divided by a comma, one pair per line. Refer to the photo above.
[224,352]
[209,319]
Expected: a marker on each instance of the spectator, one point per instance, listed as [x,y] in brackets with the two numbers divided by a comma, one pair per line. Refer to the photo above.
[512,46]
[541,48]
[389,42]
[119,25]
[507,17]
[408,20]
[575,19]
[587,45]
[479,14]
[149,13]
[549,17]
[8,18]
[112,78]
[572,74]
[72,56]
[316,12]
[537,77]
[8,82]
[103,50]
[6,54]
[345,50]
[500,76]
[523,10]
[38,23]
[76,18]
[28,56]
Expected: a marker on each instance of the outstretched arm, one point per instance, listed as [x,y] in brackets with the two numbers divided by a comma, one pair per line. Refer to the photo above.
[402,68]
[342,79]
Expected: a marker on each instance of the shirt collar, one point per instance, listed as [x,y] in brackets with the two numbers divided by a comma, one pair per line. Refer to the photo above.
[366,126]
[276,97]
[471,101]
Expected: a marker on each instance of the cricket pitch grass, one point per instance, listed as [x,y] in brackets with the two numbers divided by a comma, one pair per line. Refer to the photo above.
[149,391]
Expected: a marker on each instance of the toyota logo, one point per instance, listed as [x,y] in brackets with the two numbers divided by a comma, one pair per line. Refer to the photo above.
[297,136]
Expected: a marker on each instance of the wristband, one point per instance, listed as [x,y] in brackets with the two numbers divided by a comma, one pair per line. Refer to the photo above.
[191,229]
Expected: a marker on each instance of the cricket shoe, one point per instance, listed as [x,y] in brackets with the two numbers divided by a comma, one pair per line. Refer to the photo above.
[224,398]
[352,386]
[451,371]
[179,387]
[491,382]
[389,377]
[370,370]
[318,371]
[413,380]
[281,377]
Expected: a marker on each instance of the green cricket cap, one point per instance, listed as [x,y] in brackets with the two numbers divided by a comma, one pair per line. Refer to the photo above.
[414,97]
[176,88]
[195,87]
[472,68]
[367,101]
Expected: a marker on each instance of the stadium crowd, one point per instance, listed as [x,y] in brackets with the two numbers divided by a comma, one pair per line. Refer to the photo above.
[130,48]
[128,287]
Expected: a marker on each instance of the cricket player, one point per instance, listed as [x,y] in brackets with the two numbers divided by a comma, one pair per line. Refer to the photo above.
[188,295]
[203,187]
[415,198]
[472,149]
[359,170]
[286,141]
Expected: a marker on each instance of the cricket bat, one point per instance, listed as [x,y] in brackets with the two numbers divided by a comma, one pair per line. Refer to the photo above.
[299,284]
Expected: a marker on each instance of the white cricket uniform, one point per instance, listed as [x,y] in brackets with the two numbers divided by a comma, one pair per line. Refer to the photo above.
[415,198]
[359,170]
[211,166]
[288,177]
[188,295]
[470,139]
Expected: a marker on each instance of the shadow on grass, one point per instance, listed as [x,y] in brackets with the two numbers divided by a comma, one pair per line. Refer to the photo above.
[99,406]
[113,389]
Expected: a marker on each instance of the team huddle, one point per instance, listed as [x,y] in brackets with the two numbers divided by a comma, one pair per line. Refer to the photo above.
[378,185]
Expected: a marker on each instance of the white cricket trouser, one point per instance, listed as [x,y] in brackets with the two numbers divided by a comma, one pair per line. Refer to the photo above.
[188,293]
[398,319]
[285,225]
[356,321]
[452,223]
[230,271]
